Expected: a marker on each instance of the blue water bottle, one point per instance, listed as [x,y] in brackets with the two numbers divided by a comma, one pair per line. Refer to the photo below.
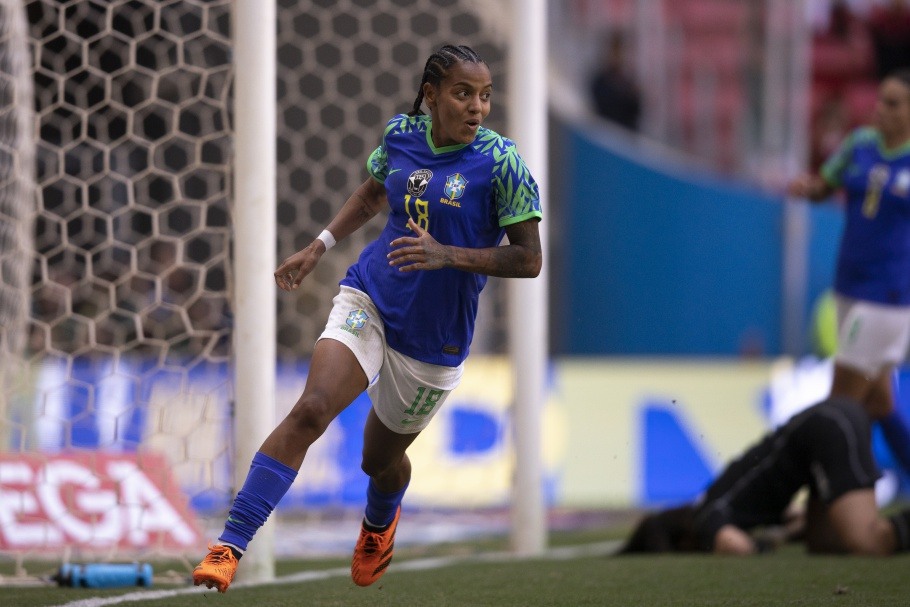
[105,575]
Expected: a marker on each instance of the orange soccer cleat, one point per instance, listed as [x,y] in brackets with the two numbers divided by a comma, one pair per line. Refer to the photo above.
[217,569]
[373,553]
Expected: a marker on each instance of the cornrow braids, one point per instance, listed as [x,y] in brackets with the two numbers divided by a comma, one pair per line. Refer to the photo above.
[438,66]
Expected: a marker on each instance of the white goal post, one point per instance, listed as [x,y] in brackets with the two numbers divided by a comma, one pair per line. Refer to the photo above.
[17,170]
[528,298]
[254,252]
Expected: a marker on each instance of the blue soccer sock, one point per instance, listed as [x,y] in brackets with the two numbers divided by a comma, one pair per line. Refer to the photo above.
[266,483]
[381,507]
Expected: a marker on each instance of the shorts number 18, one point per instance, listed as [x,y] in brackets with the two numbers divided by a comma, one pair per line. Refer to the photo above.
[432,397]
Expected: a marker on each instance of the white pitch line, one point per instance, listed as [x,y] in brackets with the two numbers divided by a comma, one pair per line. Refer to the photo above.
[554,554]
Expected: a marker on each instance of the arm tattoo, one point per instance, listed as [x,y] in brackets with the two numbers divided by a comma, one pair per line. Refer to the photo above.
[522,258]
[512,261]
[365,212]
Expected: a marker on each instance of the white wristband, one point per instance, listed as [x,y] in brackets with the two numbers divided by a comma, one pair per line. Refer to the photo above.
[327,239]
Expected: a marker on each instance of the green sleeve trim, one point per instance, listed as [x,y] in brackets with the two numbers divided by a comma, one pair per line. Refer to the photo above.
[828,176]
[519,218]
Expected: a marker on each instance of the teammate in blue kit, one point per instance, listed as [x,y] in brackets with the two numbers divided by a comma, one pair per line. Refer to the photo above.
[872,284]
[402,323]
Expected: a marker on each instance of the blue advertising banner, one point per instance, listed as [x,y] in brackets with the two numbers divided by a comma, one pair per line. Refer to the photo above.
[616,432]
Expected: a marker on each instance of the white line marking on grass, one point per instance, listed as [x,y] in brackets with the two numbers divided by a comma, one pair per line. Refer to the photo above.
[554,554]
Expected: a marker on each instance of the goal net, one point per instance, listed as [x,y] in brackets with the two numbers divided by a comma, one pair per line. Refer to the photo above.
[115,244]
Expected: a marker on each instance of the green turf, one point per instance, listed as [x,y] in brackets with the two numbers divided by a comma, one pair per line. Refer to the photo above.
[786,578]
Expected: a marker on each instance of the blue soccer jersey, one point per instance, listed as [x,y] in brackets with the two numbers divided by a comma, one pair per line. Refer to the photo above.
[464,196]
[874,259]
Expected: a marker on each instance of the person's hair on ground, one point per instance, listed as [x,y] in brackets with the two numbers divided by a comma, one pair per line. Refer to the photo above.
[671,530]
[902,75]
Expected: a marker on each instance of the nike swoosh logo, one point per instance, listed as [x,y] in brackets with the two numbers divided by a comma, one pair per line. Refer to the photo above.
[393,171]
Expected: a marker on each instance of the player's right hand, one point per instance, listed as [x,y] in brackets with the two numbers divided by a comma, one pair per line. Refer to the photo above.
[295,268]
[803,186]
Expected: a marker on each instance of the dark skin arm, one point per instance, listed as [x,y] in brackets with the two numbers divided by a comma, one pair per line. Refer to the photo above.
[521,258]
[364,204]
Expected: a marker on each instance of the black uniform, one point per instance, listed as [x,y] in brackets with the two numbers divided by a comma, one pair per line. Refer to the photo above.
[827,447]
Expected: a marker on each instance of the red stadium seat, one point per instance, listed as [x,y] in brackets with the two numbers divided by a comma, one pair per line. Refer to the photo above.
[700,16]
[835,62]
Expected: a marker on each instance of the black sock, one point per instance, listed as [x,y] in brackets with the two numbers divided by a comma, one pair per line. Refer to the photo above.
[901,524]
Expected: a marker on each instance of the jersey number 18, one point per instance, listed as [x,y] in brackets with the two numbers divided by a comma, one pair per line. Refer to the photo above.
[421,208]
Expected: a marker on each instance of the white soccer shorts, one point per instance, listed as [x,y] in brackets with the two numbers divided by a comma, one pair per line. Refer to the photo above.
[871,336]
[405,393]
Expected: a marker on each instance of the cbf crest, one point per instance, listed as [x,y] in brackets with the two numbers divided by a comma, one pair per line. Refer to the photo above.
[418,182]
[357,319]
[455,185]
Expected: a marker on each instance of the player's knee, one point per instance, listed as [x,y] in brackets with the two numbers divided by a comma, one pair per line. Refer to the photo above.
[374,467]
[310,416]
[380,466]
[866,548]
[872,543]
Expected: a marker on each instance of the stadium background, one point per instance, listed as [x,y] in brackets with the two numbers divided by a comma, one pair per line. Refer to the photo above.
[681,290]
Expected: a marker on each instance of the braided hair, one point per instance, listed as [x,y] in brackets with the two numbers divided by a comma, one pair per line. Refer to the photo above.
[438,66]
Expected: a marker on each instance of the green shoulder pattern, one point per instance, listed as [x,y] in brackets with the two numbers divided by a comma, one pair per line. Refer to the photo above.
[515,190]
[378,161]
[378,164]
[402,123]
[832,170]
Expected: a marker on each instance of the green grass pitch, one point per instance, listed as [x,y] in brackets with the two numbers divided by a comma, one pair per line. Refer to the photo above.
[460,575]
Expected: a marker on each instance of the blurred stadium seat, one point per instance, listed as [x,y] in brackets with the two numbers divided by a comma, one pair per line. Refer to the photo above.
[834,62]
[706,16]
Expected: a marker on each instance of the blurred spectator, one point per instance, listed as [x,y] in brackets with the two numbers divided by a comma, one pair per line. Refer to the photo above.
[614,91]
[843,84]
[890,27]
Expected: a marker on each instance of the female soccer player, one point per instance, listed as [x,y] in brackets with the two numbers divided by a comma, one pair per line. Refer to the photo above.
[827,448]
[872,285]
[402,323]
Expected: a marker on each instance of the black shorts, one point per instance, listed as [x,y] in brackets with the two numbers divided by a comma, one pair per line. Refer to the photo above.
[827,447]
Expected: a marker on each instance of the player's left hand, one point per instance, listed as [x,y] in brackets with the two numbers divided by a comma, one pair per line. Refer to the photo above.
[419,252]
